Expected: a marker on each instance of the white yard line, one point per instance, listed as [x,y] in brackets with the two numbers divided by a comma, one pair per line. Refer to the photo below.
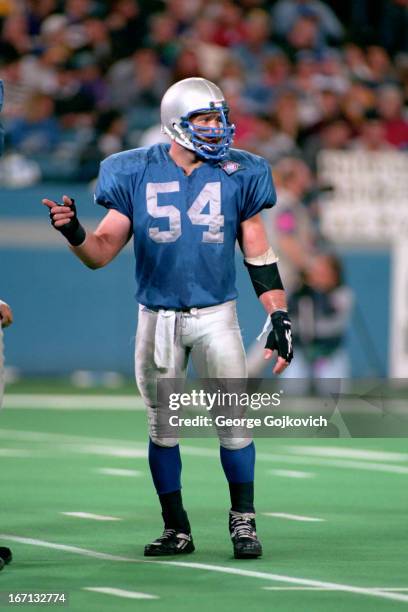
[73,402]
[291,474]
[126,448]
[84,552]
[331,463]
[290,580]
[58,438]
[119,472]
[92,517]
[397,589]
[15,452]
[120,593]
[108,451]
[296,588]
[304,588]
[380,594]
[347,453]
[294,517]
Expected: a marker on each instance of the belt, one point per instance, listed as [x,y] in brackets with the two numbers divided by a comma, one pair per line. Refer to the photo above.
[189,310]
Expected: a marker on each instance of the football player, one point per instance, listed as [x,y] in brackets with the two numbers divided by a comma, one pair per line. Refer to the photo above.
[6,318]
[186,204]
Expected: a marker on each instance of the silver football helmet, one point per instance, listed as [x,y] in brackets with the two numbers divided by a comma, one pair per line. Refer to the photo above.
[191,97]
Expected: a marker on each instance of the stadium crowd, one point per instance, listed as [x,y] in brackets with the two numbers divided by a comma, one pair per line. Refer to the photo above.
[84,78]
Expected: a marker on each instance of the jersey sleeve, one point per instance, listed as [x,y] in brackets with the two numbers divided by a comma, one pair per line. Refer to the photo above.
[259,192]
[113,189]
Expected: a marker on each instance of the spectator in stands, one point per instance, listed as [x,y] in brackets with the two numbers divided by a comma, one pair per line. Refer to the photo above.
[262,90]
[187,64]
[38,130]
[71,98]
[127,28]
[286,114]
[390,108]
[211,56]
[373,136]
[355,103]
[91,55]
[333,134]
[36,13]
[356,62]
[266,140]
[230,27]
[97,41]
[110,137]
[303,36]
[257,44]
[286,12]
[185,12]
[162,38]
[18,89]
[331,74]
[15,34]
[138,81]
[91,80]
[54,32]
[381,69]
[393,25]
[289,225]
[320,308]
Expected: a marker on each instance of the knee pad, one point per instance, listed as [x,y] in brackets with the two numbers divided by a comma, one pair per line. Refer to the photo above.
[165,442]
[235,443]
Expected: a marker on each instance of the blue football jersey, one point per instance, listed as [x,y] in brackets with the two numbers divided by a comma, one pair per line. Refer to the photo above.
[184,227]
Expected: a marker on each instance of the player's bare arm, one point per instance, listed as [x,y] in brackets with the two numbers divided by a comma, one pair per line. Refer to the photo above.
[6,314]
[261,263]
[99,247]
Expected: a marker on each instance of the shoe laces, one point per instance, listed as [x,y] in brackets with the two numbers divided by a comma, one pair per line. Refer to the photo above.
[241,524]
[167,533]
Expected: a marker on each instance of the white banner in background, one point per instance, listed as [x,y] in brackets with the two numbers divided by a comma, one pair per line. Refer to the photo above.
[399,312]
[369,198]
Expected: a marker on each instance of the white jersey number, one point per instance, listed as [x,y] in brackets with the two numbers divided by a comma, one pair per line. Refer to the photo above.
[210,194]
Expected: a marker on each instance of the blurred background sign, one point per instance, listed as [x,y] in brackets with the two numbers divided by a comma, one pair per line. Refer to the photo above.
[368,202]
[399,315]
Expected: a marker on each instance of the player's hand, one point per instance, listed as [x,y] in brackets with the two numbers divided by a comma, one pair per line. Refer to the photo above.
[61,214]
[6,314]
[280,339]
[64,219]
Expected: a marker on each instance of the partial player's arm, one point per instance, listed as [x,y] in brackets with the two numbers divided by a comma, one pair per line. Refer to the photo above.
[263,270]
[6,314]
[95,249]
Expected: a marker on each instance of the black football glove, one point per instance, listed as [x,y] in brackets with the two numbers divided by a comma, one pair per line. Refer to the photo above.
[280,338]
[73,231]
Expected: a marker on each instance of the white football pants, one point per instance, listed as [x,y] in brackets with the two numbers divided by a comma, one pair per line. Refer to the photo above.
[211,336]
[1,366]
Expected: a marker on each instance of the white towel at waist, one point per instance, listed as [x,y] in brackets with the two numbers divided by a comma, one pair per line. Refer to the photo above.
[164,339]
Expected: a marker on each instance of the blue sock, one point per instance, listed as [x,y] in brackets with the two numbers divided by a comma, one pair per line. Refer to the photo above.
[239,468]
[239,465]
[165,466]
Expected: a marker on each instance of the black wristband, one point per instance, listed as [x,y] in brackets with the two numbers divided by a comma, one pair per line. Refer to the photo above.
[72,231]
[264,278]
